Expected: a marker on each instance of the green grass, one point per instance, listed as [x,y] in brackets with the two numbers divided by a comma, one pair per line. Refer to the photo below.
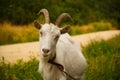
[20,71]
[103,60]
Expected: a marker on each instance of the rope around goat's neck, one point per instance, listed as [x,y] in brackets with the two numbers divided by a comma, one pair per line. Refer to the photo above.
[60,67]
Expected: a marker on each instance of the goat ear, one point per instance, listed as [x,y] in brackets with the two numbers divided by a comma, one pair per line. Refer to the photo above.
[65,30]
[37,25]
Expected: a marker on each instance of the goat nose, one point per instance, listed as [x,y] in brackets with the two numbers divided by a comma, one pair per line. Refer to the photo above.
[45,50]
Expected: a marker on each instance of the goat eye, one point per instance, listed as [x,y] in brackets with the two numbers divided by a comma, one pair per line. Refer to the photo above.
[41,33]
[56,37]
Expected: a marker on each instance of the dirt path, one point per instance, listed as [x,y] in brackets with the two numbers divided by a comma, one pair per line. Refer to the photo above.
[24,51]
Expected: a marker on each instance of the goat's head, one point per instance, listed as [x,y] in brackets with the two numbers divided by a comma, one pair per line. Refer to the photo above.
[50,33]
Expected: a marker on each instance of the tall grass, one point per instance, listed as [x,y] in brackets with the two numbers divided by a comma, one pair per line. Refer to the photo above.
[92,27]
[15,33]
[26,33]
[103,60]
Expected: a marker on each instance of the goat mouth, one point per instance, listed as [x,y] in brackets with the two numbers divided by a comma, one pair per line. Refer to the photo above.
[45,55]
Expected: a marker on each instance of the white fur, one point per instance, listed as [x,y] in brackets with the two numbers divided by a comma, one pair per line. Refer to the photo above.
[67,53]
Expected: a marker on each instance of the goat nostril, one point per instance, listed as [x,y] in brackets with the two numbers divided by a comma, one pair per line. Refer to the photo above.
[45,50]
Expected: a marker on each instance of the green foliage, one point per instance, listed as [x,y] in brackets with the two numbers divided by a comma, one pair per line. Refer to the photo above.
[82,11]
[103,59]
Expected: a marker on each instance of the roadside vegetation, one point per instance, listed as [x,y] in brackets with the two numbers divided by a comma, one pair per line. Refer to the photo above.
[16,17]
[103,60]
[17,34]
[10,33]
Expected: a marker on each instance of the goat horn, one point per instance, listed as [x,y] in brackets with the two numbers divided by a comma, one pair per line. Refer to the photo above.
[63,15]
[46,14]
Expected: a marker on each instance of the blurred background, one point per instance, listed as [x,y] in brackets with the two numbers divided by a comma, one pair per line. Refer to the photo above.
[17,17]
[82,11]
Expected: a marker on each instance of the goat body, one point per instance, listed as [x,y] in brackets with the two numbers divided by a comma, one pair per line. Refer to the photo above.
[56,42]
[69,55]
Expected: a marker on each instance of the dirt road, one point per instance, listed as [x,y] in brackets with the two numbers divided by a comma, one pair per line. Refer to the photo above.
[24,51]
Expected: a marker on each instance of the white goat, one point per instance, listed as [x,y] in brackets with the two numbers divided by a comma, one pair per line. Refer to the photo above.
[61,57]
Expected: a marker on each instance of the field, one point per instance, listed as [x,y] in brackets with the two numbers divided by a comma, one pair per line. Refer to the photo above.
[102,58]
[17,33]
[10,34]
